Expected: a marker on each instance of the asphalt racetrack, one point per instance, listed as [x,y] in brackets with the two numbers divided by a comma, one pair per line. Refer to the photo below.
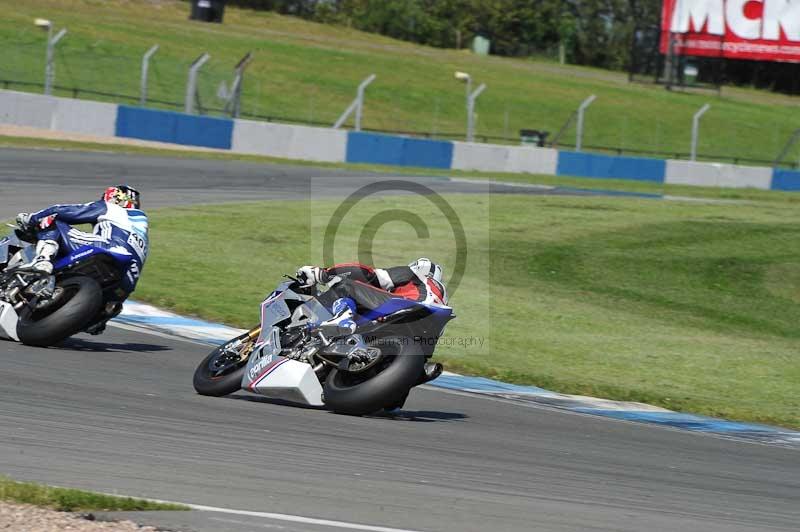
[118,414]
[32,178]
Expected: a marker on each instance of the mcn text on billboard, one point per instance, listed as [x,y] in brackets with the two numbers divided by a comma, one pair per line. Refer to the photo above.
[766,30]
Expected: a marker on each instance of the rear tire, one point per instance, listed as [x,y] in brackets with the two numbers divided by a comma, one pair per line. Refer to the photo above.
[388,388]
[42,329]
[207,382]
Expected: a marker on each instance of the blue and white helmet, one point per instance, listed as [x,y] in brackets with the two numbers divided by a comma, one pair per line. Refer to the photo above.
[426,268]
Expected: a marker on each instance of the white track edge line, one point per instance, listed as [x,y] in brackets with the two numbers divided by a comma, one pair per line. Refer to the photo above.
[299,519]
[270,515]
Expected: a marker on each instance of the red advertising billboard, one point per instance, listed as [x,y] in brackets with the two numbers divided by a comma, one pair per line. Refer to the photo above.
[765,30]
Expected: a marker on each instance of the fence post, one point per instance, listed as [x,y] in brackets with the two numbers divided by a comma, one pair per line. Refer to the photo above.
[696,129]
[579,129]
[235,102]
[191,84]
[357,105]
[145,69]
[50,66]
[471,111]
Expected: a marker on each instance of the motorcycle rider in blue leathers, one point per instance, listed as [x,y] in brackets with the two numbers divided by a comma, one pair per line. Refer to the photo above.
[118,225]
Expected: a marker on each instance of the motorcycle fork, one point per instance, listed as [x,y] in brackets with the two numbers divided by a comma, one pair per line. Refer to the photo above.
[254,333]
[250,341]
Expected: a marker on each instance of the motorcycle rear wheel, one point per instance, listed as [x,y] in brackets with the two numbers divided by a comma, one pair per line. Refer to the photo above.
[79,301]
[356,394]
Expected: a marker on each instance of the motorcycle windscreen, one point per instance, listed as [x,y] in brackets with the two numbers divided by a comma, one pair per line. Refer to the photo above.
[273,310]
[279,377]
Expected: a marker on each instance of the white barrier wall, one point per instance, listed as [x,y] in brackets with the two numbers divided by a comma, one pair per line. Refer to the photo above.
[58,114]
[23,109]
[289,142]
[717,175]
[84,116]
[531,160]
[494,158]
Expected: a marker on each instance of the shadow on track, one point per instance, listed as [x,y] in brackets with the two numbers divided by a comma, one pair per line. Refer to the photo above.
[80,344]
[424,416]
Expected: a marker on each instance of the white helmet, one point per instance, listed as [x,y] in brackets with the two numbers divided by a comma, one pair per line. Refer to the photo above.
[425,268]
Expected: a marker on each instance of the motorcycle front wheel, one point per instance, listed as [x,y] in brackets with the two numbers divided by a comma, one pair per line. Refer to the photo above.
[221,372]
[384,385]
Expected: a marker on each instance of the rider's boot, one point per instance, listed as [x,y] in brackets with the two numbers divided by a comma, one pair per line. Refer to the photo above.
[45,251]
[342,322]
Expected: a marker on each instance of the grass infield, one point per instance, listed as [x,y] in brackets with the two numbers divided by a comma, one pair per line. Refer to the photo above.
[72,500]
[687,305]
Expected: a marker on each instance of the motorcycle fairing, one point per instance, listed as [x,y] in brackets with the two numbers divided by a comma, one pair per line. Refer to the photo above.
[279,377]
[85,252]
[274,309]
[121,256]
[397,304]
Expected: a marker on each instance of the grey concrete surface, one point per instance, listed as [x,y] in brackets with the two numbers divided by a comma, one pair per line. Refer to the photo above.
[118,414]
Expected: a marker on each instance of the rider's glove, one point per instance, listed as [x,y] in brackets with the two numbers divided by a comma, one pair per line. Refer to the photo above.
[23,220]
[311,275]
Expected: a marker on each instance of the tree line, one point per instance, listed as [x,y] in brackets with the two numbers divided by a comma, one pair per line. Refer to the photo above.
[613,34]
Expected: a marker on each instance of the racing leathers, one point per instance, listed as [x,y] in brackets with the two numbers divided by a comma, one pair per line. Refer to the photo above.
[370,287]
[119,230]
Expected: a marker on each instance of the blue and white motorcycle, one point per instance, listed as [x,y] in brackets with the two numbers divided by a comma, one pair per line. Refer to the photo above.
[289,357]
[43,309]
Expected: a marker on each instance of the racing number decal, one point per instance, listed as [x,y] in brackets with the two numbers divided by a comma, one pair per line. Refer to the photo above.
[139,245]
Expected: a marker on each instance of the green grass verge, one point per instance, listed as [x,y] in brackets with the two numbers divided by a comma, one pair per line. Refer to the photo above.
[72,500]
[692,306]
[621,185]
[310,71]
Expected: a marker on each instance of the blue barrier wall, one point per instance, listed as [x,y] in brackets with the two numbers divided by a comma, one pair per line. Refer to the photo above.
[592,165]
[399,151]
[176,128]
[785,179]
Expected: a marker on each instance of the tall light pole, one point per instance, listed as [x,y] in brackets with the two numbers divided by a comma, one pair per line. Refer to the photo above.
[471,97]
[52,40]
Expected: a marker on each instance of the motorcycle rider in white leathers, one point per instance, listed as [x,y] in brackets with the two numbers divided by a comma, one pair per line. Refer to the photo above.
[362,288]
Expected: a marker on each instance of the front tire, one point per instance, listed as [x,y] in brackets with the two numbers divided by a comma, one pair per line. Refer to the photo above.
[344,394]
[79,301]
[216,376]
